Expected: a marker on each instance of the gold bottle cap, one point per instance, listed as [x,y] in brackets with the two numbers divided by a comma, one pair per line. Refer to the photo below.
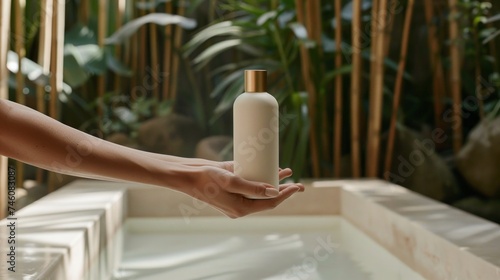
[255,80]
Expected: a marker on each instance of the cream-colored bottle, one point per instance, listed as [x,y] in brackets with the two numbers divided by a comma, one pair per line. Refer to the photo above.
[256,131]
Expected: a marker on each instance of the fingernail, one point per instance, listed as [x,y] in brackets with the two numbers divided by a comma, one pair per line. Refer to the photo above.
[272,192]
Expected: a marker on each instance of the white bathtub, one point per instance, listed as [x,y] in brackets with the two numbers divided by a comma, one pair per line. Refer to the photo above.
[101,230]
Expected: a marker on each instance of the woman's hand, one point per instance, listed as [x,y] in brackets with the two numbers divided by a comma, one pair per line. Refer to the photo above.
[222,189]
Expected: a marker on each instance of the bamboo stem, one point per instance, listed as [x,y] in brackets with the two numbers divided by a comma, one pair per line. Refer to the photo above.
[375,120]
[56,66]
[134,54]
[177,47]
[374,23]
[356,89]
[155,67]
[118,49]
[390,27]
[44,52]
[101,36]
[306,75]
[398,88]
[337,136]
[314,29]
[5,6]
[439,88]
[456,83]
[19,8]
[84,12]
[142,53]
[167,58]
[57,53]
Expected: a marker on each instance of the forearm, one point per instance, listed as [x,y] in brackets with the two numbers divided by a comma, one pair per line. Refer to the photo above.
[36,139]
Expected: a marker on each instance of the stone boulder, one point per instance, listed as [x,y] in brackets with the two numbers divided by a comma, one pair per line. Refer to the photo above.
[215,148]
[479,159]
[416,166]
[173,135]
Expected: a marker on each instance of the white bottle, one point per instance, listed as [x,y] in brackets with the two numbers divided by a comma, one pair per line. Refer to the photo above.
[256,131]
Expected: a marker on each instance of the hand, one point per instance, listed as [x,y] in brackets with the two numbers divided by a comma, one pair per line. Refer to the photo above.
[222,189]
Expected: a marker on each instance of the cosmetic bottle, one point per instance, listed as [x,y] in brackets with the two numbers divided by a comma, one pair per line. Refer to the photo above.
[256,131]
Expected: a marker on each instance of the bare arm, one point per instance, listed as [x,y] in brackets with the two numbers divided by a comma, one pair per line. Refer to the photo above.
[34,138]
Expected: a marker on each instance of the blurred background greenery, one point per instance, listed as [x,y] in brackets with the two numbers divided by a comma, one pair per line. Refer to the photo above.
[402,90]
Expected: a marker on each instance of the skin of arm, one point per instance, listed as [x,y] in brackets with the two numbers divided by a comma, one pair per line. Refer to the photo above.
[34,138]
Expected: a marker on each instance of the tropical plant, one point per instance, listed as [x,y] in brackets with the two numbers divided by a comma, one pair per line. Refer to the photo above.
[294,41]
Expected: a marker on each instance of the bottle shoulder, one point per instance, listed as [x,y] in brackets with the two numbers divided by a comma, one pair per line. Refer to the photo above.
[257,98]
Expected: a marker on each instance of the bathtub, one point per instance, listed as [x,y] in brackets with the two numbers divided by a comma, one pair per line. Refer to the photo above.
[350,229]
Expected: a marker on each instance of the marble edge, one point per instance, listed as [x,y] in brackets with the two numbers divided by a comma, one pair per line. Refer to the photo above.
[102,216]
[379,208]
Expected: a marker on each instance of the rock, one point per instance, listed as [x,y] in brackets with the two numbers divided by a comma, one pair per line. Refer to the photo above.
[212,148]
[416,166]
[173,135]
[479,159]
[486,208]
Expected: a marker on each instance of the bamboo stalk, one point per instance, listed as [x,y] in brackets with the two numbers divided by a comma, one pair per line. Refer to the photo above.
[439,88]
[142,53]
[44,52]
[337,135]
[134,52]
[305,65]
[456,83]
[56,63]
[375,120]
[375,26]
[5,6]
[19,8]
[356,89]
[374,23]
[313,25]
[398,88]
[118,49]
[102,28]
[84,11]
[167,58]
[155,67]
[177,47]
[390,27]
[56,66]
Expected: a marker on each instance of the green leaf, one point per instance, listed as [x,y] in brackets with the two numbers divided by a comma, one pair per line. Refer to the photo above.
[345,69]
[81,61]
[225,28]
[263,19]
[80,35]
[32,71]
[227,101]
[491,37]
[226,82]
[493,18]
[126,31]
[215,49]
[116,66]
[300,31]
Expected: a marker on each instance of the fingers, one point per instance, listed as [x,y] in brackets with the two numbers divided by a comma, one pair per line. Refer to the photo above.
[284,186]
[252,189]
[285,173]
[285,193]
